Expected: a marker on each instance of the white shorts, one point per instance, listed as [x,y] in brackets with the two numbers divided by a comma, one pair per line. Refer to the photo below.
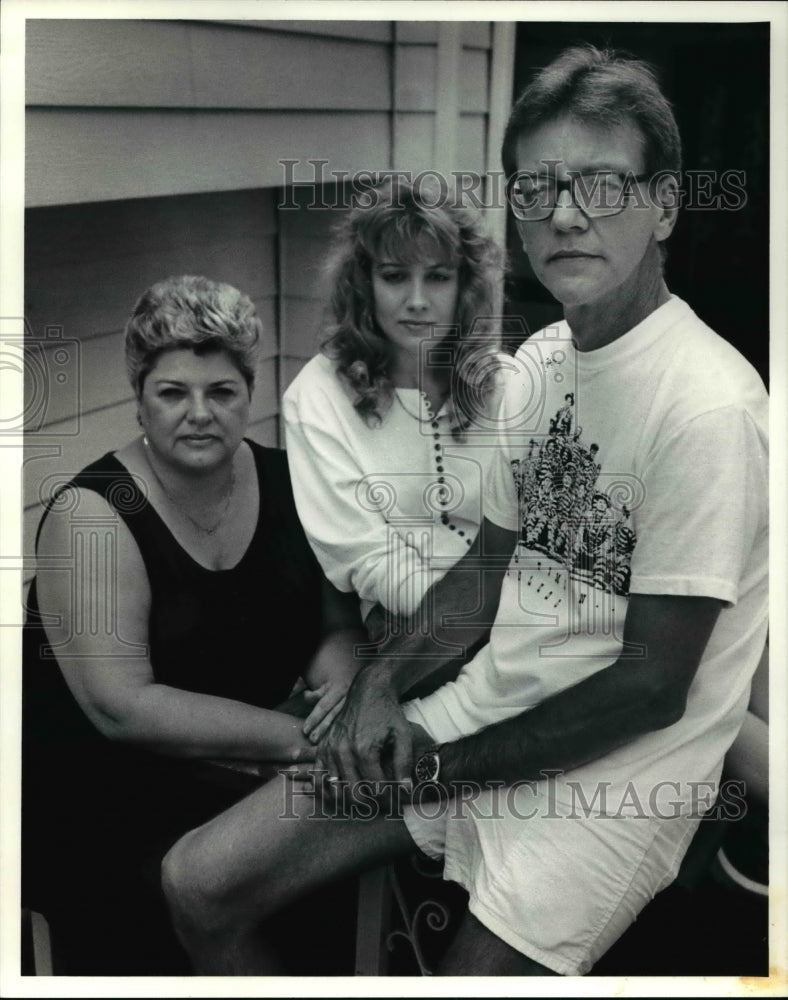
[560,889]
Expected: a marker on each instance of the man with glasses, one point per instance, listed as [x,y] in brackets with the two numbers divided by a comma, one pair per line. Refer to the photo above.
[563,773]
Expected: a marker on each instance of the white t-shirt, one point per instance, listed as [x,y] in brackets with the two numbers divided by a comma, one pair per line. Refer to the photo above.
[640,467]
[387,508]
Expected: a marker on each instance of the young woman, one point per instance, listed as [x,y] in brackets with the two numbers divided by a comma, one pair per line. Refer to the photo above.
[389,427]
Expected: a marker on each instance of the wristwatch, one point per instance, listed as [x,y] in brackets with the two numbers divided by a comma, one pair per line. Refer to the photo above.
[428,767]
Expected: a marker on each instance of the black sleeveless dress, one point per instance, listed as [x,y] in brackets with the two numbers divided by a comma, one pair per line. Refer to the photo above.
[98,815]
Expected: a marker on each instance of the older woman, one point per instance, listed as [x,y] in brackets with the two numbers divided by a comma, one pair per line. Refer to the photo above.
[389,427]
[167,638]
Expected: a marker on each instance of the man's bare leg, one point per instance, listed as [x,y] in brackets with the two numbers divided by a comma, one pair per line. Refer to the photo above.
[476,951]
[224,878]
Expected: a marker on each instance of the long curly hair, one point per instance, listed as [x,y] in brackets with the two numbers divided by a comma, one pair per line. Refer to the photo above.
[403,221]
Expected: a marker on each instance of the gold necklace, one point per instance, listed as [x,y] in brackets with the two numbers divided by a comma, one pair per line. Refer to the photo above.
[201,527]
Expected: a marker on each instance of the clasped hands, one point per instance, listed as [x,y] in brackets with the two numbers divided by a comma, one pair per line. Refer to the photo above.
[367,740]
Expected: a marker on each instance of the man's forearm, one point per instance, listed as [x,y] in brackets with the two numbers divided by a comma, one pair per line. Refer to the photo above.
[453,621]
[578,725]
[637,694]
[370,737]
[414,649]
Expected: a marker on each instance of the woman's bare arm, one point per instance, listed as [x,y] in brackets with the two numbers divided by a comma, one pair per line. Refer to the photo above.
[108,670]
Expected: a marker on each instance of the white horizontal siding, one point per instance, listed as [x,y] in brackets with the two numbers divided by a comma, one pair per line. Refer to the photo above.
[103,155]
[133,108]
[62,294]
[371,31]
[122,63]
[85,62]
[131,227]
[87,265]
[475,34]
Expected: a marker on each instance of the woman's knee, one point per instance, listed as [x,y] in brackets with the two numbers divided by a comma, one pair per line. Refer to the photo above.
[202,896]
[181,881]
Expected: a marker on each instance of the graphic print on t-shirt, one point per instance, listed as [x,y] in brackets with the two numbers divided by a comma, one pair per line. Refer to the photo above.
[564,514]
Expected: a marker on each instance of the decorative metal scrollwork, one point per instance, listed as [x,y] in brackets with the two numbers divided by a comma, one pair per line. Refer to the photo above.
[430,914]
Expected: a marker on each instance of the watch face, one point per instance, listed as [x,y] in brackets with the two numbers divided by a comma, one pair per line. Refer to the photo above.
[427,766]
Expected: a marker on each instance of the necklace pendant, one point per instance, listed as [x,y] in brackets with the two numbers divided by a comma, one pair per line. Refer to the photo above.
[184,513]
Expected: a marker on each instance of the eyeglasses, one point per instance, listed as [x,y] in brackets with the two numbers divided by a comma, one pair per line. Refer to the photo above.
[533,197]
